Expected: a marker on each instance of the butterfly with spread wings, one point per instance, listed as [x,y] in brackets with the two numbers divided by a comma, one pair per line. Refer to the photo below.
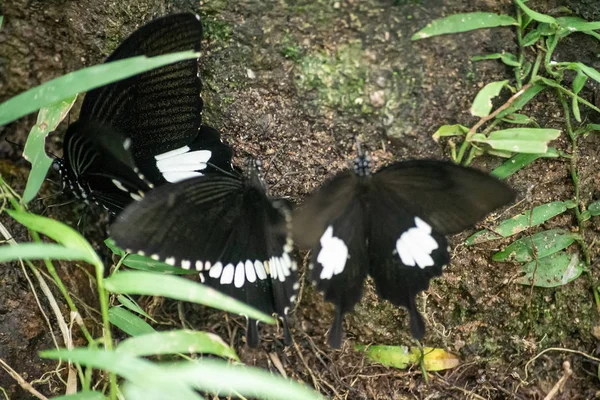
[225,226]
[156,116]
[390,225]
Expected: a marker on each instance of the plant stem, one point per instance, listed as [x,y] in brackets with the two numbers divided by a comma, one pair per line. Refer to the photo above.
[465,144]
[536,66]
[519,69]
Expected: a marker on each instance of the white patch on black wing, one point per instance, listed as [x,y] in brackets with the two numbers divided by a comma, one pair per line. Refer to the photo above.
[179,164]
[416,245]
[333,254]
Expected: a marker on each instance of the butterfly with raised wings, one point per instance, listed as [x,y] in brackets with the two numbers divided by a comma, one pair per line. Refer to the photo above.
[391,225]
[225,226]
[155,116]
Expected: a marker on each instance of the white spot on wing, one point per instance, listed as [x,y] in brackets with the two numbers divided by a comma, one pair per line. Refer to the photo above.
[416,245]
[215,271]
[260,270]
[180,164]
[240,276]
[119,185]
[333,254]
[170,261]
[250,273]
[199,265]
[227,275]
[186,264]
[135,196]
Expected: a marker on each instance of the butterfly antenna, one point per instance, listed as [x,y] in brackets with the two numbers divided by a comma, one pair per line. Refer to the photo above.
[221,170]
[19,145]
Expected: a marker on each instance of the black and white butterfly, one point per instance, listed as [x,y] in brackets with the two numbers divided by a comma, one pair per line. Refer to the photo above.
[225,226]
[390,225]
[156,116]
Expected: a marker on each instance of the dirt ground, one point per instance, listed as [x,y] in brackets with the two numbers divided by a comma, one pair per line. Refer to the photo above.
[293,82]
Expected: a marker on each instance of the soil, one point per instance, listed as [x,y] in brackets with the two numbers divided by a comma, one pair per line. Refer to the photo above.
[294,82]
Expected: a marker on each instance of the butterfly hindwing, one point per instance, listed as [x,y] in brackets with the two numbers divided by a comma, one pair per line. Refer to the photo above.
[98,166]
[405,253]
[229,231]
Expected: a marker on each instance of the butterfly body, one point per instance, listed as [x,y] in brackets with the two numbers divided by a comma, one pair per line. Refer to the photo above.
[391,225]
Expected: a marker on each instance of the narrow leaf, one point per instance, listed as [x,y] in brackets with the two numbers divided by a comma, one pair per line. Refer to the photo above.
[402,357]
[450,130]
[83,80]
[58,231]
[128,322]
[177,341]
[148,283]
[226,379]
[519,161]
[520,119]
[133,306]
[510,60]
[482,105]
[1,20]
[555,270]
[531,38]
[534,14]
[575,24]
[35,150]
[141,263]
[40,251]
[138,371]
[520,140]
[493,56]
[521,222]
[132,391]
[86,395]
[545,243]
[463,23]
[579,82]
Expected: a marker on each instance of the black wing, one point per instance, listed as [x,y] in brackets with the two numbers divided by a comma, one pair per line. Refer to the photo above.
[98,166]
[404,254]
[228,231]
[160,110]
[450,197]
[332,223]
[412,205]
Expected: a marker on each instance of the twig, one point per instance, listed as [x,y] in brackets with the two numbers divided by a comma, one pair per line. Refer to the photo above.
[561,382]
[22,382]
[557,349]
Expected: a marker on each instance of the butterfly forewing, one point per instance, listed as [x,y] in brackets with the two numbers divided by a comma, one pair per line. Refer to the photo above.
[450,197]
[159,110]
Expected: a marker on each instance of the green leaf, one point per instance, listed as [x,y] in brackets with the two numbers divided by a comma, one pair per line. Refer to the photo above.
[499,153]
[555,270]
[510,59]
[113,247]
[39,251]
[402,357]
[86,395]
[575,107]
[493,56]
[534,14]
[34,152]
[579,82]
[220,377]
[545,243]
[135,261]
[1,20]
[520,119]
[83,80]
[450,130]
[521,222]
[177,341]
[589,71]
[519,140]
[59,232]
[519,161]
[148,283]
[128,322]
[138,371]
[523,99]
[531,38]
[133,306]
[594,208]
[463,23]
[482,105]
[568,25]
[136,392]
